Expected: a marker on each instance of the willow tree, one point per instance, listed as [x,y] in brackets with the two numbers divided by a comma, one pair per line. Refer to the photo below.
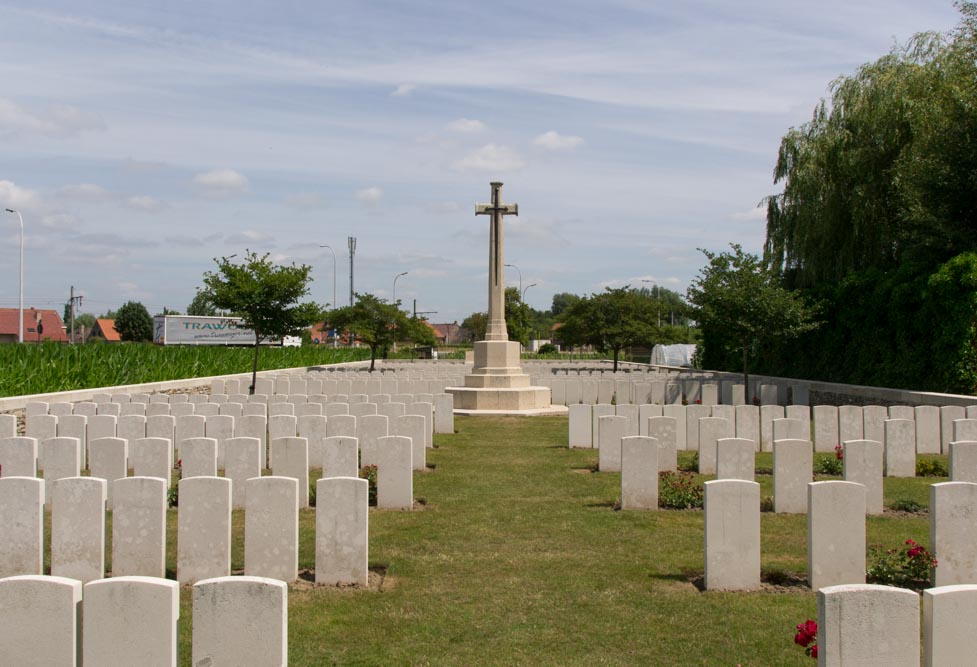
[884,171]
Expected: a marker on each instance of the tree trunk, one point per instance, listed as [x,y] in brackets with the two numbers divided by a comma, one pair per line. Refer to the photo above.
[746,376]
[616,353]
[254,367]
[373,356]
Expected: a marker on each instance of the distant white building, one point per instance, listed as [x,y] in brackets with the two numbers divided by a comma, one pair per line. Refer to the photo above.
[673,355]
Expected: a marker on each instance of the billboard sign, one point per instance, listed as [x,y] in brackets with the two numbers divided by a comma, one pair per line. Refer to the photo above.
[190,330]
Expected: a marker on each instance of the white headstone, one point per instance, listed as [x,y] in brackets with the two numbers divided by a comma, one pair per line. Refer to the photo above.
[825,428]
[900,448]
[865,624]
[198,457]
[768,413]
[78,528]
[748,424]
[639,473]
[792,472]
[664,430]
[39,621]
[927,429]
[395,483]
[948,415]
[62,457]
[240,621]
[735,459]
[412,426]
[863,465]
[850,423]
[139,527]
[109,461]
[612,428]
[953,532]
[711,430]
[835,534]
[271,528]
[732,535]
[340,457]
[369,430]
[18,457]
[203,529]
[581,429]
[242,461]
[253,426]
[151,457]
[291,459]
[949,616]
[342,531]
[131,621]
[21,527]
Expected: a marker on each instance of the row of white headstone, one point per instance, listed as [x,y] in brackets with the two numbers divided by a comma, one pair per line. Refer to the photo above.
[338,456]
[836,534]
[77,507]
[639,389]
[133,621]
[315,382]
[926,429]
[864,624]
[415,423]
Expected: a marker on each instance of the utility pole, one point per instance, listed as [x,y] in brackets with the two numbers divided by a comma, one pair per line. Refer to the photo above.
[351,242]
[71,314]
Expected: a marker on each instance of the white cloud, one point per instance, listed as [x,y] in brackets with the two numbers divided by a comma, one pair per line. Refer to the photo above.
[221,182]
[246,236]
[370,196]
[144,203]
[757,214]
[58,121]
[305,200]
[554,141]
[403,90]
[466,125]
[85,191]
[16,197]
[491,157]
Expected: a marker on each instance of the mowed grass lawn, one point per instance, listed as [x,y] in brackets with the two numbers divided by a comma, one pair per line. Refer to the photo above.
[520,558]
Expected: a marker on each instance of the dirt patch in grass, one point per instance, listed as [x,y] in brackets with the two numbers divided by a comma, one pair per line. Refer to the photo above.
[902,514]
[771,581]
[379,581]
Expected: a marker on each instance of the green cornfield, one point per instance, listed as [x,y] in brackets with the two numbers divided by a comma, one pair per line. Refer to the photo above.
[50,367]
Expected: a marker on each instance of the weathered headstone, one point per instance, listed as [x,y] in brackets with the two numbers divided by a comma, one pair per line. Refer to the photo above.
[748,424]
[866,624]
[199,457]
[109,461]
[949,616]
[151,457]
[342,531]
[395,480]
[735,459]
[639,473]
[203,529]
[340,457]
[290,457]
[21,527]
[271,527]
[242,461]
[18,457]
[581,429]
[612,429]
[39,621]
[78,528]
[711,430]
[863,464]
[240,621]
[131,621]
[900,448]
[664,429]
[792,472]
[732,535]
[835,534]
[139,527]
[953,532]
[850,423]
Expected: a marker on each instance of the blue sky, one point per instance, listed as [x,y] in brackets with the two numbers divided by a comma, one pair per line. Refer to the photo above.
[141,140]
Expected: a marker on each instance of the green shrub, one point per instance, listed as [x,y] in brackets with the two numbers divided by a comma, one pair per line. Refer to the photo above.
[679,491]
[906,505]
[930,468]
[369,473]
[906,567]
[173,495]
[547,348]
[766,504]
[689,463]
[830,464]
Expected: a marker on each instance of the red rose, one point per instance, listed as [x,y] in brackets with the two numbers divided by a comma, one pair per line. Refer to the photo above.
[814,651]
[910,542]
[806,632]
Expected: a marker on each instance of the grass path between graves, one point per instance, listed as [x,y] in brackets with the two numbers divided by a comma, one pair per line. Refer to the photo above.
[520,558]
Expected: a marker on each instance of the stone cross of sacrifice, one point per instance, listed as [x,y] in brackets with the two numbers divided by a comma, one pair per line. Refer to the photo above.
[496,329]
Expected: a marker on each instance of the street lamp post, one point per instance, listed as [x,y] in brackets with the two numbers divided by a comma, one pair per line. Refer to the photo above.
[20,310]
[394,299]
[335,341]
[523,295]
[658,305]
[520,276]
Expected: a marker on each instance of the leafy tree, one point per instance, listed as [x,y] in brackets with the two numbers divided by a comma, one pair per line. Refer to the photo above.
[201,305]
[518,316]
[610,321]
[739,303]
[86,320]
[133,322]
[265,296]
[379,324]
[475,325]
[561,302]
